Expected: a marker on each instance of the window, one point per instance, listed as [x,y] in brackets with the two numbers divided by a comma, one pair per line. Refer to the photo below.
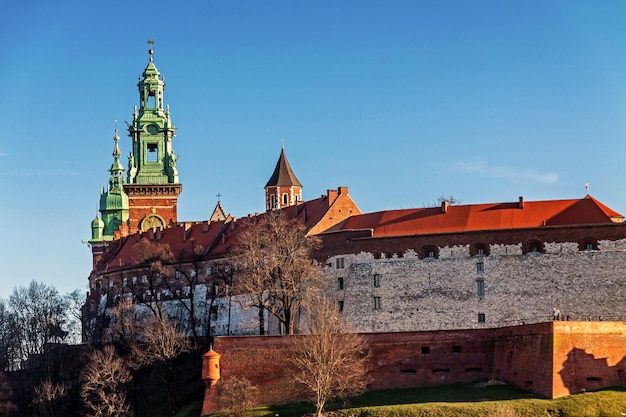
[480,287]
[480,267]
[125,281]
[177,274]
[285,199]
[134,280]
[340,306]
[589,246]
[481,317]
[208,271]
[152,152]
[456,349]
[340,283]
[376,280]
[480,251]
[425,350]
[340,263]
[431,254]
[377,303]
[272,201]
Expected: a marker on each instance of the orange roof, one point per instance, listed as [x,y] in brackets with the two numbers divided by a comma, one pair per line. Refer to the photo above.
[473,217]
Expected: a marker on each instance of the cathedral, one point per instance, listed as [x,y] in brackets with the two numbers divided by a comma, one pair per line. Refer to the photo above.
[437,268]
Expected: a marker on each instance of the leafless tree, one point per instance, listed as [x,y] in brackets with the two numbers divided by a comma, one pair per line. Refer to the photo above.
[236,395]
[450,199]
[275,271]
[37,314]
[161,343]
[104,378]
[155,260]
[329,362]
[7,404]
[49,398]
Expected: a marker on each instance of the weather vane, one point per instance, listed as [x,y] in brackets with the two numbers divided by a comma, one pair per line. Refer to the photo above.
[150,42]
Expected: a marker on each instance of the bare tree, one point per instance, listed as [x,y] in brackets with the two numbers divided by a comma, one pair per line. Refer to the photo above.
[7,404]
[37,313]
[275,271]
[236,395]
[328,362]
[49,398]
[161,343]
[104,378]
[450,199]
[156,260]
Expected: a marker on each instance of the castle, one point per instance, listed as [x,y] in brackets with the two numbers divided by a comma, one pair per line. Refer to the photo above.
[438,268]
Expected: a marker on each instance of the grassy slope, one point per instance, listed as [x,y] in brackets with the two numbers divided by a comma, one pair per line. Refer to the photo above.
[462,400]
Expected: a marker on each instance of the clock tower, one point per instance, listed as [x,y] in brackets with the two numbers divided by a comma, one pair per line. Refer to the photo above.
[152,182]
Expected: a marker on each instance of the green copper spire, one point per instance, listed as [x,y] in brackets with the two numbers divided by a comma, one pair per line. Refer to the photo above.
[113,200]
[152,159]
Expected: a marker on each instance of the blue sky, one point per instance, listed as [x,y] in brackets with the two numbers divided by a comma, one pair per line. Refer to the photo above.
[401,101]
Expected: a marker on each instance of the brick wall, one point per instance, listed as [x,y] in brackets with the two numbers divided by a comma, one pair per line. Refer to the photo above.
[552,359]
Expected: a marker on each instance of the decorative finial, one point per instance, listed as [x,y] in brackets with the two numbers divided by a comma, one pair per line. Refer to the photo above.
[116,138]
[150,42]
[218,195]
[282,144]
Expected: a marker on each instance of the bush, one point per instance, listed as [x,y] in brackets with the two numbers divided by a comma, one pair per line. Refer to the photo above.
[236,395]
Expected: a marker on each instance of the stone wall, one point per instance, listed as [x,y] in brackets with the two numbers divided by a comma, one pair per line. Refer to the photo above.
[453,290]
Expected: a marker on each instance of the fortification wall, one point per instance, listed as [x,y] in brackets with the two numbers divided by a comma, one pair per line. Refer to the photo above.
[405,292]
[551,359]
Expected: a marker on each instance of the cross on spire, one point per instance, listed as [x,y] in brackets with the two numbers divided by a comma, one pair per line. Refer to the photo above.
[218,195]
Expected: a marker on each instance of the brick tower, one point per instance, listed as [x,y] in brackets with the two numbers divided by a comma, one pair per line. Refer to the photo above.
[283,188]
[152,180]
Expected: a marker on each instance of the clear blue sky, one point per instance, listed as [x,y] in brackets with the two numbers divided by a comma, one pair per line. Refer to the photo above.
[401,101]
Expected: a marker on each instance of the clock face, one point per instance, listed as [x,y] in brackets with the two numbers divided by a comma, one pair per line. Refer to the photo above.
[153,129]
[151,222]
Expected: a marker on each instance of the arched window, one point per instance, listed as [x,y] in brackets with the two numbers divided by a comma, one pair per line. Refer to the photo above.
[533,246]
[479,249]
[588,243]
[272,201]
[285,199]
[429,252]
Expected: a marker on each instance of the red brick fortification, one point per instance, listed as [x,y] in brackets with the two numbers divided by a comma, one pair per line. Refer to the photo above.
[551,359]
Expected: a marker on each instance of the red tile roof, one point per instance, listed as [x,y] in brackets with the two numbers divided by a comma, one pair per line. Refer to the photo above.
[473,217]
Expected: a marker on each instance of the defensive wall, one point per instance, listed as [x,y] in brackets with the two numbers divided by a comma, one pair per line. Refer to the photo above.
[551,359]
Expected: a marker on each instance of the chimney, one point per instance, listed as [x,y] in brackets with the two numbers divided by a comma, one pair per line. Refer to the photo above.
[444,206]
[520,204]
[186,231]
[232,224]
[343,190]
[205,226]
[332,195]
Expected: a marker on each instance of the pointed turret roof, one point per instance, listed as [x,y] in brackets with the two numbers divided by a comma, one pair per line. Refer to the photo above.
[283,175]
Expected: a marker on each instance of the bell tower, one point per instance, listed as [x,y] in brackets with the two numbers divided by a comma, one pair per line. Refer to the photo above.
[283,188]
[152,182]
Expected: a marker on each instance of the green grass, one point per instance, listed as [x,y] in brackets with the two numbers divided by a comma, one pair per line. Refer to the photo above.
[463,400]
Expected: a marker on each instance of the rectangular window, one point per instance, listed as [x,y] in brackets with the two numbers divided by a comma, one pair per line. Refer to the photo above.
[480,251]
[125,281]
[480,287]
[376,280]
[134,280]
[431,254]
[377,303]
[589,246]
[480,267]
[340,306]
[340,283]
[425,350]
[177,274]
[456,349]
[152,152]
[144,279]
[481,317]
[208,271]
[340,264]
